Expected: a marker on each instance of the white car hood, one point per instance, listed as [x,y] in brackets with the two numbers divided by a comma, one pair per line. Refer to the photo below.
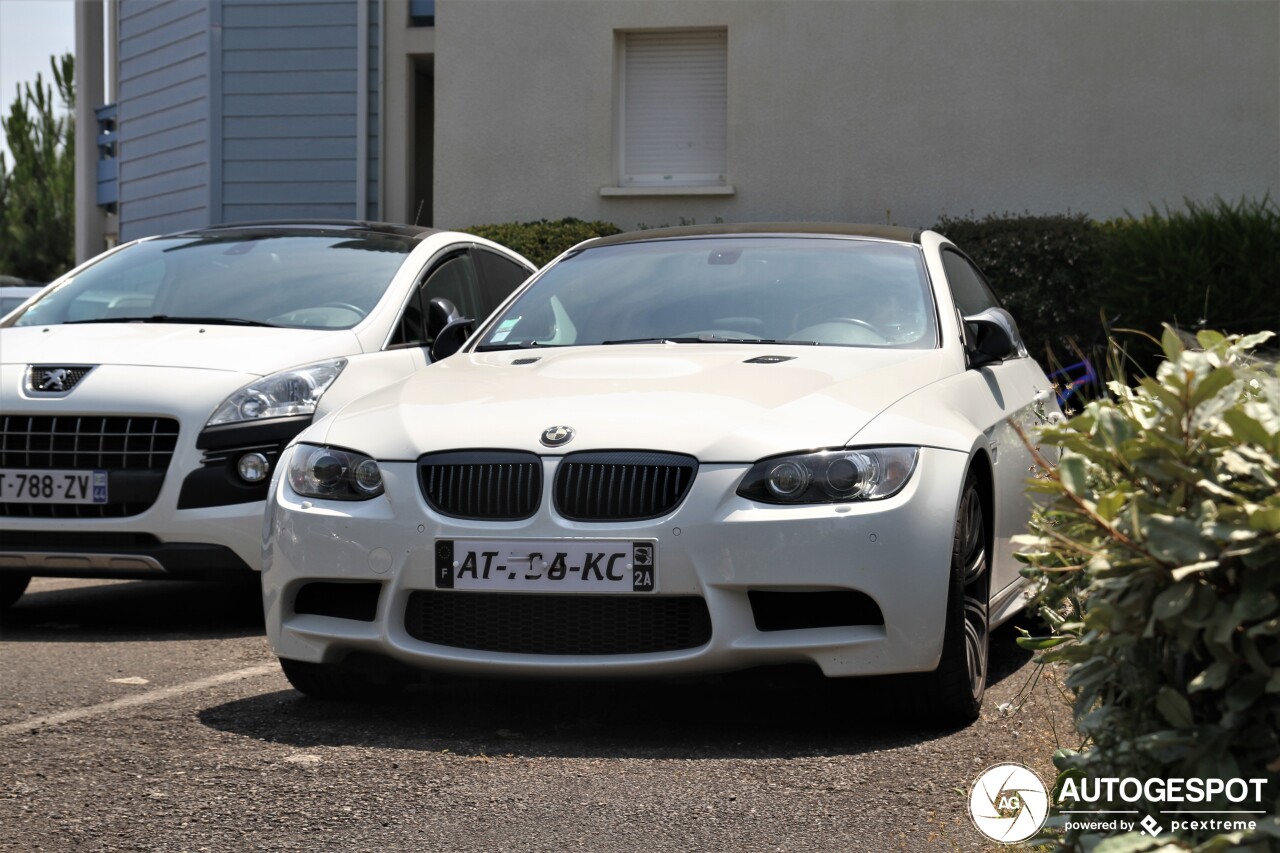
[238,349]
[700,399]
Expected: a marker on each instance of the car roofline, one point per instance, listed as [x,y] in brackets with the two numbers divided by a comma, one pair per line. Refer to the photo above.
[416,232]
[895,233]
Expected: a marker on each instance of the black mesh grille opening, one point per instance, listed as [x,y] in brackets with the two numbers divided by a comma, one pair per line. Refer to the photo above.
[134,451]
[558,624]
[792,611]
[482,484]
[357,601]
[622,485]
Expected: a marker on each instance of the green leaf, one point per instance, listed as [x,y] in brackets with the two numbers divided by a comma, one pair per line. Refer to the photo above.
[1174,707]
[1170,343]
[1208,338]
[1246,429]
[1036,644]
[1172,601]
[1267,520]
[1212,678]
[1109,505]
[1174,539]
[1195,568]
[1074,474]
[1217,380]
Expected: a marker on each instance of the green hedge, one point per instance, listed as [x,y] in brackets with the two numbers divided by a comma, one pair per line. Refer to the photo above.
[543,240]
[1045,270]
[1068,279]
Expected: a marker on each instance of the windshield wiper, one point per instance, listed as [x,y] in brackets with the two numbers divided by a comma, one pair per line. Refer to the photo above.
[513,345]
[165,318]
[709,339]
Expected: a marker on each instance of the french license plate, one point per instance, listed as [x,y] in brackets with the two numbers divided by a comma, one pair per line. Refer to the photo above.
[35,486]
[547,566]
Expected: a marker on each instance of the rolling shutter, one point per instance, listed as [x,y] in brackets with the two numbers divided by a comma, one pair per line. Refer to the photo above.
[675,90]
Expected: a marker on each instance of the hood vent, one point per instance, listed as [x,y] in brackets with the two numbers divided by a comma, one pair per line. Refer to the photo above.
[769,359]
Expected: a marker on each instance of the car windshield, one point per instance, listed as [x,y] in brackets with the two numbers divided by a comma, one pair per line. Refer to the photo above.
[317,280]
[788,290]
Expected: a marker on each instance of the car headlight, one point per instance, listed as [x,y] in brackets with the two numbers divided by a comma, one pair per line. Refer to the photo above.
[290,392]
[831,476]
[333,474]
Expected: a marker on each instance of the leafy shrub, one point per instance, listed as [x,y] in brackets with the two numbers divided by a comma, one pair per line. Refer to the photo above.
[1045,269]
[543,240]
[1159,551]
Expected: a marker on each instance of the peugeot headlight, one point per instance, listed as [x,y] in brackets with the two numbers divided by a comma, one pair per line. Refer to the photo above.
[333,474]
[831,476]
[290,392]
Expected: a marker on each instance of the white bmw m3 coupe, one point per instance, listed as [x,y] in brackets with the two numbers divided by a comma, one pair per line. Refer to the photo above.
[146,395]
[680,451]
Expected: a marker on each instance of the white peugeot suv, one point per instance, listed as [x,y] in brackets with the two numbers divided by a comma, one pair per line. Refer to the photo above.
[146,395]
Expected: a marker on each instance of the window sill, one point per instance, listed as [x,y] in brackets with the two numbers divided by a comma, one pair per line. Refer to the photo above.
[663,191]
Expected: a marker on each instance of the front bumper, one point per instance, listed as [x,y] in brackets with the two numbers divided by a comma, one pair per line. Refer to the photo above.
[374,562]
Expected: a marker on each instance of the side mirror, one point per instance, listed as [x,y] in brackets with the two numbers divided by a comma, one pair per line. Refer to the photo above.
[440,313]
[452,337]
[992,337]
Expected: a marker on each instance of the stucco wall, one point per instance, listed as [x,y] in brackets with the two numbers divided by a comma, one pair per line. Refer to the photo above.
[868,111]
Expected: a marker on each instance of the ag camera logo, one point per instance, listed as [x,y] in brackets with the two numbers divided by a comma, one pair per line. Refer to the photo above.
[1008,803]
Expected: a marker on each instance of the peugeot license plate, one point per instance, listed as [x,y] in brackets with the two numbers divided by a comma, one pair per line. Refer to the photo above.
[547,565]
[51,486]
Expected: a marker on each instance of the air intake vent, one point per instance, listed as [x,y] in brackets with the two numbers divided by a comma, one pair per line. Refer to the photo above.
[492,485]
[558,624]
[622,485]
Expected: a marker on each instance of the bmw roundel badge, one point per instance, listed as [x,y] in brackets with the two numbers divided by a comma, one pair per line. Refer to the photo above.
[557,435]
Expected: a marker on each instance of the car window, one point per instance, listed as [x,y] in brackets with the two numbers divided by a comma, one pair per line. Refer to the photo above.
[969,288]
[317,280]
[817,290]
[453,279]
[498,277]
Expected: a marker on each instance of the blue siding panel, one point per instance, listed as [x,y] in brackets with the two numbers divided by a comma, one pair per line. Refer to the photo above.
[292,60]
[163,116]
[234,109]
[288,100]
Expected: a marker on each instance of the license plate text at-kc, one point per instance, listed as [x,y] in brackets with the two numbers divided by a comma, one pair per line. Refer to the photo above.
[610,566]
[44,486]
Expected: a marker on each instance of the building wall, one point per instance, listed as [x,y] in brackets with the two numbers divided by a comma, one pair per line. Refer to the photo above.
[289,77]
[234,110]
[871,110]
[163,124]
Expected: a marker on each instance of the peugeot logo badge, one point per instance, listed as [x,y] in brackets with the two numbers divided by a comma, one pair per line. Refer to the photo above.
[55,380]
[557,435]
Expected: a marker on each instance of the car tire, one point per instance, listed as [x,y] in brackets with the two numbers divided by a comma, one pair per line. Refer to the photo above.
[952,693]
[333,681]
[12,586]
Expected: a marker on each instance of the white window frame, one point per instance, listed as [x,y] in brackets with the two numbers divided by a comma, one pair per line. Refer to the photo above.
[685,87]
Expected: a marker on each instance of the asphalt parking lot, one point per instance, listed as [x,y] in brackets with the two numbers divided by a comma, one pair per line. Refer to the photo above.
[151,716]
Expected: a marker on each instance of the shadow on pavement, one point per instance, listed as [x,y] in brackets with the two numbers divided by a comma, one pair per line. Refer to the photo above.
[136,610]
[778,713]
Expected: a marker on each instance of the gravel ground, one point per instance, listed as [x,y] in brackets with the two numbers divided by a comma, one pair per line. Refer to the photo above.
[770,762]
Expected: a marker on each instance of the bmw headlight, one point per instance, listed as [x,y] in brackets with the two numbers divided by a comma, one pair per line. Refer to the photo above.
[290,392]
[831,476]
[333,474]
